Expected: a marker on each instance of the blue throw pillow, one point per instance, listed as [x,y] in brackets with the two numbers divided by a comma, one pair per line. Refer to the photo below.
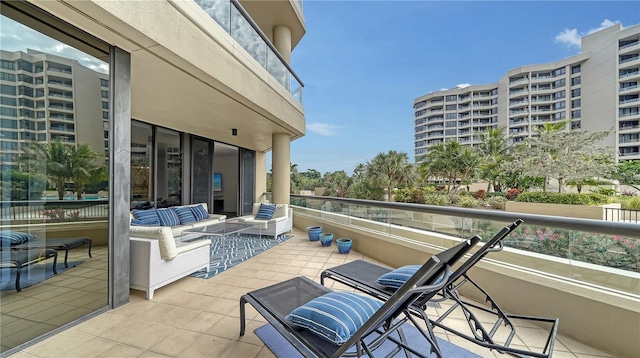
[335,316]
[199,212]
[184,214]
[168,217]
[396,278]
[137,222]
[15,237]
[148,215]
[266,211]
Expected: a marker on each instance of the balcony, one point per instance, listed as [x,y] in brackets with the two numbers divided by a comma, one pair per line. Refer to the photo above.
[233,18]
[195,317]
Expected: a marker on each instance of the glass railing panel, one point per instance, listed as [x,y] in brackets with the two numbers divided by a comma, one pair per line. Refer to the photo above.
[242,31]
[219,10]
[600,256]
[277,69]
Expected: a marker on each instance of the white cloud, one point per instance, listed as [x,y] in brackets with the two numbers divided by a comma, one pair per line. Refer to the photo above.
[571,37]
[463,85]
[324,129]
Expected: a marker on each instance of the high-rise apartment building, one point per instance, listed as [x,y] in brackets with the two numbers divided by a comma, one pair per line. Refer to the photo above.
[42,98]
[596,89]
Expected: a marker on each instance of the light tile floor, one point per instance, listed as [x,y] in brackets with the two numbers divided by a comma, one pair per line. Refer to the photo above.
[200,318]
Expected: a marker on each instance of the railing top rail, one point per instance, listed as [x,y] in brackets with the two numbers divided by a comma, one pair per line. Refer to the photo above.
[599,226]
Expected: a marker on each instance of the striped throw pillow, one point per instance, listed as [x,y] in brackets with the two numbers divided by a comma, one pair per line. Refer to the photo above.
[266,211]
[168,217]
[199,212]
[335,316]
[184,214]
[136,222]
[396,278]
[15,237]
[148,216]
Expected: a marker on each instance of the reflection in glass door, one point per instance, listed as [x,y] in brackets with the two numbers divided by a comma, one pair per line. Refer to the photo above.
[201,172]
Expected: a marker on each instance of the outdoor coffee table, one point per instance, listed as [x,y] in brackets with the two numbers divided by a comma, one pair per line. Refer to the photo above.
[218,230]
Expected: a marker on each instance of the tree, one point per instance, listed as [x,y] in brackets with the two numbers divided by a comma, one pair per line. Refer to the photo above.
[628,173]
[363,186]
[390,170]
[48,159]
[451,162]
[337,184]
[563,155]
[494,149]
[83,168]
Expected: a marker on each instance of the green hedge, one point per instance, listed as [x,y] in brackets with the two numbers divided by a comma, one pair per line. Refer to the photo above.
[562,198]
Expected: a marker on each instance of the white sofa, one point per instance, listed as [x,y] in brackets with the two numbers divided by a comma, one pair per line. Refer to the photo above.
[176,231]
[158,261]
[280,222]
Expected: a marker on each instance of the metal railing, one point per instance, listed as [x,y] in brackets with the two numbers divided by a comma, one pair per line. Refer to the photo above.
[54,210]
[624,215]
[585,250]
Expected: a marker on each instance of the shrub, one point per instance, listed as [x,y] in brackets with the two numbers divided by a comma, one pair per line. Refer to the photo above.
[491,194]
[480,194]
[467,202]
[605,191]
[512,194]
[562,198]
[464,193]
[633,203]
[497,202]
[454,199]
[436,199]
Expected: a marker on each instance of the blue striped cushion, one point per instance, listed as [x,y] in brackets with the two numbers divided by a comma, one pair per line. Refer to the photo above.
[199,212]
[149,215]
[335,316]
[137,222]
[396,278]
[15,237]
[266,211]
[184,214]
[168,217]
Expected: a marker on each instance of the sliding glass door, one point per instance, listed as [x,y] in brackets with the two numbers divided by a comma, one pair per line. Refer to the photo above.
[201,182]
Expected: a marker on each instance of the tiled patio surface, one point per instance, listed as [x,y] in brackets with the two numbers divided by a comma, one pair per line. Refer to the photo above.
[200,318]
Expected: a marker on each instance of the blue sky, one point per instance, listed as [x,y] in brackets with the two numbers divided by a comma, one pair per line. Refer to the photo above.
[364,62]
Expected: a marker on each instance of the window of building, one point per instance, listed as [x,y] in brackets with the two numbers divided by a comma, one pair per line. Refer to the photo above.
[9,77]
[575,69]
[559,115]
[575,92]
[575,81]
[559,105]
[450,98]
[450,116]
[559,95]
[575,103]
[576,114]
[450,107]
[104,94]
[7,65]
[559,83]
[104,83]
[560,71]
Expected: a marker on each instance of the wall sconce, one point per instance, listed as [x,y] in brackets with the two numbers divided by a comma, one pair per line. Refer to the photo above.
[234,131]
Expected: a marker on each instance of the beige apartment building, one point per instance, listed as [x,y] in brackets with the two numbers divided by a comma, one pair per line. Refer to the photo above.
[596,89]
[43,98]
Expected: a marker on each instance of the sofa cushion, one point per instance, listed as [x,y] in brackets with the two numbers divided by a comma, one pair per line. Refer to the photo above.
[184,214]
[9,237]
[138,222]
[168,217]
[282,210]
[148,215]
[199,212]
[265,212]
[162,234]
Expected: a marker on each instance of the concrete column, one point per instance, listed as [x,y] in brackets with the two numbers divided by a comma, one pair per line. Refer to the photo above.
[281,166]
[261,177]
[119,175]
[282,41]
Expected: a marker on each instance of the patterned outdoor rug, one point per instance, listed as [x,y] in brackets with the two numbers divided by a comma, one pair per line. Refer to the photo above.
[235,249]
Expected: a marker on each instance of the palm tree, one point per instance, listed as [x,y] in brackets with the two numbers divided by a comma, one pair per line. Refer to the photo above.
[83,168]
[48,160]
[389,170]
[494,149]
[441,162]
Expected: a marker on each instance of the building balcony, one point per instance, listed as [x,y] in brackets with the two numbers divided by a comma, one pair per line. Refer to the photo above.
[194,317]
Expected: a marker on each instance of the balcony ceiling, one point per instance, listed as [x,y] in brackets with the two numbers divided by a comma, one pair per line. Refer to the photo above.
[180,101]
[268,14]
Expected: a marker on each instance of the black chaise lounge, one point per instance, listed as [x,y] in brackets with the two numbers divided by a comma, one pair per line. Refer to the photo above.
[362,275]
[19,259]
[65,244]
[277,301]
